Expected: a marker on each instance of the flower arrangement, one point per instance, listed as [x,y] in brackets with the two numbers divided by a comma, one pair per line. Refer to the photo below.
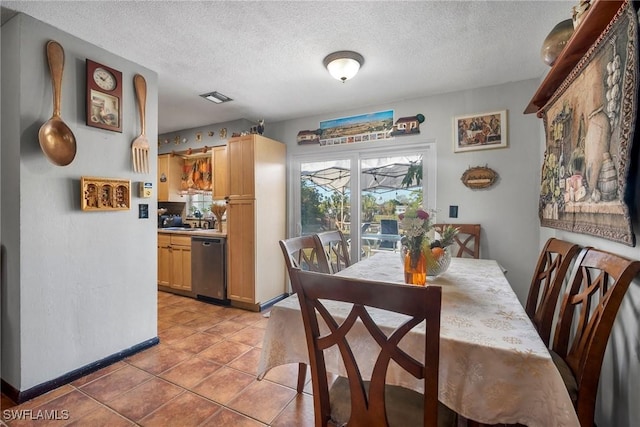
[419,237]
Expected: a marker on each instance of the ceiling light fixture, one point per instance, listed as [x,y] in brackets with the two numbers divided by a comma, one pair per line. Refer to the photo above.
[343,65]
[216,97]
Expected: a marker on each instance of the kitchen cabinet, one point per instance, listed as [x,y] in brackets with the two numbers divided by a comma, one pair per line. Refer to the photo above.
[240,152]
[220,183]
[256,220]
[174,262]
[169,176]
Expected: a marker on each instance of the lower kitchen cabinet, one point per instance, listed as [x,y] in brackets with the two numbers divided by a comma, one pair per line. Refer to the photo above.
[174,262]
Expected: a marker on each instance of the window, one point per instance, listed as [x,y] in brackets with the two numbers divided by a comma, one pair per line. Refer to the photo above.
[360,191]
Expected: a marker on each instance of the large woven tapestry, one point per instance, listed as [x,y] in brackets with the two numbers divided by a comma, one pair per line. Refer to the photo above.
[590,126]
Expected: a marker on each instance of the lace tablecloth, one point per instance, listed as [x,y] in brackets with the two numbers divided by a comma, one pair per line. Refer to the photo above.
[494,368]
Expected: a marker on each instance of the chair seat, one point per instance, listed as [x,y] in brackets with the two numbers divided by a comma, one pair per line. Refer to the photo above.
[404,406]
[567,376]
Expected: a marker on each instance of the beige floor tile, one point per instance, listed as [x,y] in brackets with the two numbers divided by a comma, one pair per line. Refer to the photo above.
[299,413]
[250,336]
[161,360]
[115,383]
[287,375]
[262,400]
[228,418]
[190,372]
[102,417]
[185,410]
[197,342]
[226,328]
[225,351]
[144,399]
[223,385]
[248,362]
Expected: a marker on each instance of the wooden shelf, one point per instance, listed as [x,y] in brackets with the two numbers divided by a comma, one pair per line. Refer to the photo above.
[597,18]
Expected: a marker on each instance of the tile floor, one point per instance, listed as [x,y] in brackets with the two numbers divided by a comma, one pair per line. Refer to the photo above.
[203,373]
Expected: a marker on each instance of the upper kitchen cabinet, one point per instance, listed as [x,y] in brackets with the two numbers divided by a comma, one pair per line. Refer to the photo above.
[220,180]
[241,152]
[169,175]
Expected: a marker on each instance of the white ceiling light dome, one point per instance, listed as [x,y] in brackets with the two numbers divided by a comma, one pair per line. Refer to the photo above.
[343,65]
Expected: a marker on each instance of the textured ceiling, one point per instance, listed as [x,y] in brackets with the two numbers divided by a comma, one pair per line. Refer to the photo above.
[268,55]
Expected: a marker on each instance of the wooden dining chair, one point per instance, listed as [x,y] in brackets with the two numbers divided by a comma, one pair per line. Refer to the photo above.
[597,287]
[335,248]
[372,402]
[467,241]
[547,282]
[304,252]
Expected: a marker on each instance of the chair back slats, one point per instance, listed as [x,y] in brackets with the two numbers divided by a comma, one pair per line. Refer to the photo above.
[548,279]
[467,241]
[420,304]
[335,248]
[304,253]
[598,284]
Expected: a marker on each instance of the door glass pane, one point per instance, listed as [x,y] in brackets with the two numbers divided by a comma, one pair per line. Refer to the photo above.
[388,186]
[325,202]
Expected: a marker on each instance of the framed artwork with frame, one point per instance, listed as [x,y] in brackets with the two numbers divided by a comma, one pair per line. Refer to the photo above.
[104,97]
[482,131]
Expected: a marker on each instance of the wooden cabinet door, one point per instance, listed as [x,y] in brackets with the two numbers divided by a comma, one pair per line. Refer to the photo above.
[242,244]
[181,267]
[220,172]
[169,176]
[240,152]
[163,178]
[164,265]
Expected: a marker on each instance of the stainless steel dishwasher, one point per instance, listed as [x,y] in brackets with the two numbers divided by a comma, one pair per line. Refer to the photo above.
[208,269]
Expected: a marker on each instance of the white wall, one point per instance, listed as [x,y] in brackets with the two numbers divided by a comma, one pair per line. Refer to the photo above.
[508,210]
[77,287]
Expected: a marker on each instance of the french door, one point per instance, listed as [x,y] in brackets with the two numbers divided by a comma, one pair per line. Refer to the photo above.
[361,192]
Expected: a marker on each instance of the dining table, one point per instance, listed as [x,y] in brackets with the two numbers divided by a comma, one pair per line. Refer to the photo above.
[494,367]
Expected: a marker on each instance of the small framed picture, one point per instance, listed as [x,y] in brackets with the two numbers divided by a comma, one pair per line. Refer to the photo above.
[481,131]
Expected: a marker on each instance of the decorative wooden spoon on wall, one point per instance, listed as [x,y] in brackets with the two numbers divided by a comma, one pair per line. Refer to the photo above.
[56,139]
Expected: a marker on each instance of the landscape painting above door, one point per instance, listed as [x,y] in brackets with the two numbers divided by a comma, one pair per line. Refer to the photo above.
[590,124]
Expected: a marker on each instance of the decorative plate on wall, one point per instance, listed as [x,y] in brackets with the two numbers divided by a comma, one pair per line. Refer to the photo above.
[479,177]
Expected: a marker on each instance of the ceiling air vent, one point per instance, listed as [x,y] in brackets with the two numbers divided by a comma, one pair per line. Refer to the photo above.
[216,97]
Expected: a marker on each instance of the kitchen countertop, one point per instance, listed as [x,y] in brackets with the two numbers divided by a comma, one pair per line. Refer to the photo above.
[194,232]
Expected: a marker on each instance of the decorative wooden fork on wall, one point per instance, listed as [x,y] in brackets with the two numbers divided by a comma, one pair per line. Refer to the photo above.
[140,146]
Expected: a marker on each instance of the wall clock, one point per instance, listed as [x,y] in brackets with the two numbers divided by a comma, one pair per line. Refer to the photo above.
[104,97]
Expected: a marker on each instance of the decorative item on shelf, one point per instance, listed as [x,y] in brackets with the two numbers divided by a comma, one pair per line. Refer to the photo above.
[579,11]
[423,254]
[407,125]
[479,177]
[205,149]
[105,194]
[556,41]
[235,134]
[218,211]
[260,126]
